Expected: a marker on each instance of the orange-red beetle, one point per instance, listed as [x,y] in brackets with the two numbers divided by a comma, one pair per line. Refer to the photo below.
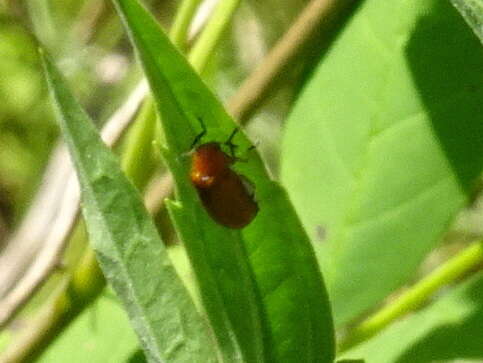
[222,191]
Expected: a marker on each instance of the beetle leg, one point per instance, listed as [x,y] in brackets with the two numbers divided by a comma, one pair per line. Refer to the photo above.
[230,143]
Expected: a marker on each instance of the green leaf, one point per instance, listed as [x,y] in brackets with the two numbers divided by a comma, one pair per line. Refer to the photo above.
[472,12]
[271,305]
[448,330]
[95,332]
[384,145]
[128,248]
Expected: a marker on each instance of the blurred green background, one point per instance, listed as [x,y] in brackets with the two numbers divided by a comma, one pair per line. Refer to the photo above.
[87,39]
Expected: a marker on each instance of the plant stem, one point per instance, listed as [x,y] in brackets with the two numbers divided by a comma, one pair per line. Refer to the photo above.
[138,161]
[179,29]
[211,35]
[417,295]
[317,15]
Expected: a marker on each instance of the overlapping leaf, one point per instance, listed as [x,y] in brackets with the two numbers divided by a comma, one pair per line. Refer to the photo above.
[271,305]
[126,242]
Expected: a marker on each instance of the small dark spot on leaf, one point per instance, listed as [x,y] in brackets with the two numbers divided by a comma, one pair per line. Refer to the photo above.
[320,233]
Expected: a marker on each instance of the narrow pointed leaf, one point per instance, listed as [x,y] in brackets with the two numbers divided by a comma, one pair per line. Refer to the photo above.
[128,248]
[271,305]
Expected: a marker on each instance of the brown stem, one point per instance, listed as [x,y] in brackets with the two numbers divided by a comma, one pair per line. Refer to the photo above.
[255,89]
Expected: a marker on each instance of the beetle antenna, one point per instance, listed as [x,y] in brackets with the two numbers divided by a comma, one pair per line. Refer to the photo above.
[200,135]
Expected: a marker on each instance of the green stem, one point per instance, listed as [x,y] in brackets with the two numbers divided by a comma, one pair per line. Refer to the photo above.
[417,295]
[211,35]
[179,29]
[138,161]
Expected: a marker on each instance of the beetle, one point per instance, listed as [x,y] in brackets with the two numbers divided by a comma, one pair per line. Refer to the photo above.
[225,195]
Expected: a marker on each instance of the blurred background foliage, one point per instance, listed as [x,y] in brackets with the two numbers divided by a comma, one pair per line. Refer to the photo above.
[27,130]
[87,39]
[90,46]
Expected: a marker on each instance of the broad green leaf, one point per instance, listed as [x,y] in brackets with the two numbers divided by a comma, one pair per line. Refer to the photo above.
[271,305]
[449,329]
[472,12]
[384,145]
[128,248]
[100,328]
